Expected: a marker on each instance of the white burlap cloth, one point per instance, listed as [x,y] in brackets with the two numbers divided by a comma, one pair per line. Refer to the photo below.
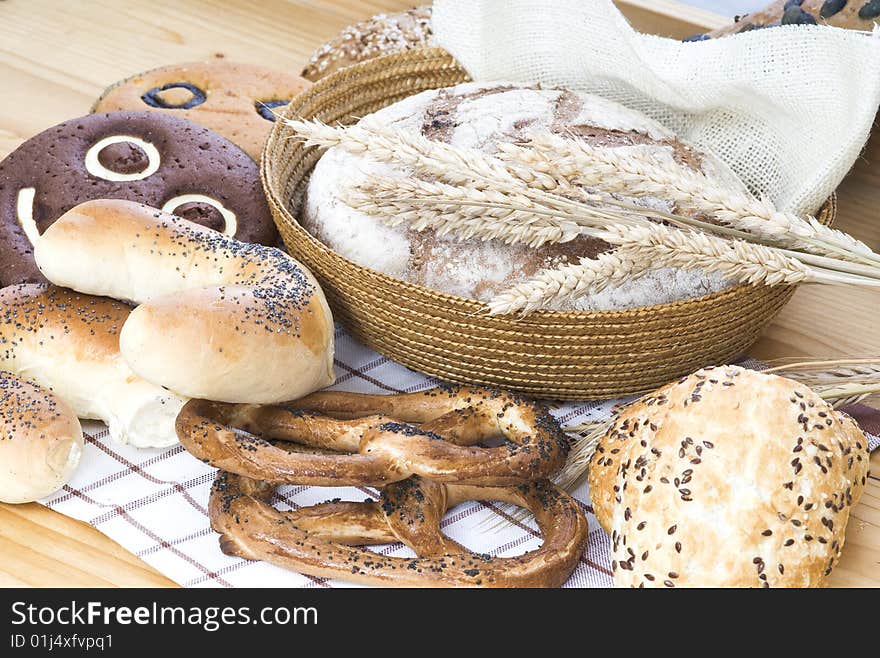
[787,108]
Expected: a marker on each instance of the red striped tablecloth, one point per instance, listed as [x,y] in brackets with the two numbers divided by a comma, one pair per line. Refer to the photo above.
[154,502]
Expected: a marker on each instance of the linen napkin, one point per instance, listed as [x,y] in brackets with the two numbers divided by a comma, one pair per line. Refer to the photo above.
[788,109]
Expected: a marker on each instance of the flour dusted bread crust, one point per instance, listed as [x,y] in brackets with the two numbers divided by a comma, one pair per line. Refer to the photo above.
[852,14]
[480,116]
[218,319]
[728,478]
[41,441]
[380,35]
[69,343]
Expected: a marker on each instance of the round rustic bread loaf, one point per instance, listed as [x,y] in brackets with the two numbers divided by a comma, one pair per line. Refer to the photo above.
[728,478]
[480,116]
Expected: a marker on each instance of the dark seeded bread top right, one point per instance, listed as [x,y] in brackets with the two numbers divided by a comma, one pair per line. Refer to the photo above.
[851,14]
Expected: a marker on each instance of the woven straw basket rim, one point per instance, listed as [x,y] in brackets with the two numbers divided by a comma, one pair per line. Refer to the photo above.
[565,354]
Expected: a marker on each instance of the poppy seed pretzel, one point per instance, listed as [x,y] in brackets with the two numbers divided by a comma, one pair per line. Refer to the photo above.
[321,540]
[391,437]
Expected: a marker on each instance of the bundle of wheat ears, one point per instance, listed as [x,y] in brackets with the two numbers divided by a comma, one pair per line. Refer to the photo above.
[551,188]
[838,381]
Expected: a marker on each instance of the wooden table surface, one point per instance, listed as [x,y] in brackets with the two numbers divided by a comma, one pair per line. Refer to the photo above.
[56,57]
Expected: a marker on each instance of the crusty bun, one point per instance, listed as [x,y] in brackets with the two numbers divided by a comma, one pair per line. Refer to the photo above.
[728,477]
[380,35]
[70,343]
[218,319]
[41,441]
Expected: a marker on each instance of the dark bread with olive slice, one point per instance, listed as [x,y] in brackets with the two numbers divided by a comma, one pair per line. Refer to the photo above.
[239,101]
[850,14]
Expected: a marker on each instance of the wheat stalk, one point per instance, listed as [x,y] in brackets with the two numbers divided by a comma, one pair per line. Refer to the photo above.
[641,171]
[737,260]
[469,168]
[570,281]
[513,218]
[476,195]
[469,212]
[837,381]
[447,163]
[641,248]
[840,381]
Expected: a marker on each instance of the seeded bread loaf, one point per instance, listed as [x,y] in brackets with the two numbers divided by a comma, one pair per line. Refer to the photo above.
[725,478]
[479,116]
[380,35]
[852,14]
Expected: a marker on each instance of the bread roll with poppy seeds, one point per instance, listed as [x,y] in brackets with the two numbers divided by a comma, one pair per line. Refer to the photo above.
[69,343]
[728,478]
[41,441]
[217,319]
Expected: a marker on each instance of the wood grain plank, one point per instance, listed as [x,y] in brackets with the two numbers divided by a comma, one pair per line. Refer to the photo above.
[59,551]
[669,18]
[56,58]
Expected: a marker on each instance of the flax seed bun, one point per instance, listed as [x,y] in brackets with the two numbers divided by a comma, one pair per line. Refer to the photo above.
[380,35]
[41,441]
[728,478]
[852,14]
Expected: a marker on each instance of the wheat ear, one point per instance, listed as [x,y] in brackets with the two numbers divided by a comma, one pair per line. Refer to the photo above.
[642,171]
[840,381]
[837,381]
[463,212]
[570,281]
[641,248]
[447,163]
[739,261]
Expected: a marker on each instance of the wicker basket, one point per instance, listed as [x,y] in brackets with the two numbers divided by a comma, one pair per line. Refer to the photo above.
[550,354]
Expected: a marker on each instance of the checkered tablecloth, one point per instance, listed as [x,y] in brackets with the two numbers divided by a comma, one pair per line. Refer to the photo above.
[154,502]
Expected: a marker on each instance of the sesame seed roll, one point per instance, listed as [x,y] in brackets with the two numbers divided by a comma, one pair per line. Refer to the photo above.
[728,477]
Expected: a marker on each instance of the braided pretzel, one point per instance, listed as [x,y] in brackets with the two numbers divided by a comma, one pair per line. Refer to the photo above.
[320,540]
[382,447]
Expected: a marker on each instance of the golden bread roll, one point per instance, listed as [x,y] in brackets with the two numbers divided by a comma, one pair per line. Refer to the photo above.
[69,343]
[218,319]
[41,441]
[728,478]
